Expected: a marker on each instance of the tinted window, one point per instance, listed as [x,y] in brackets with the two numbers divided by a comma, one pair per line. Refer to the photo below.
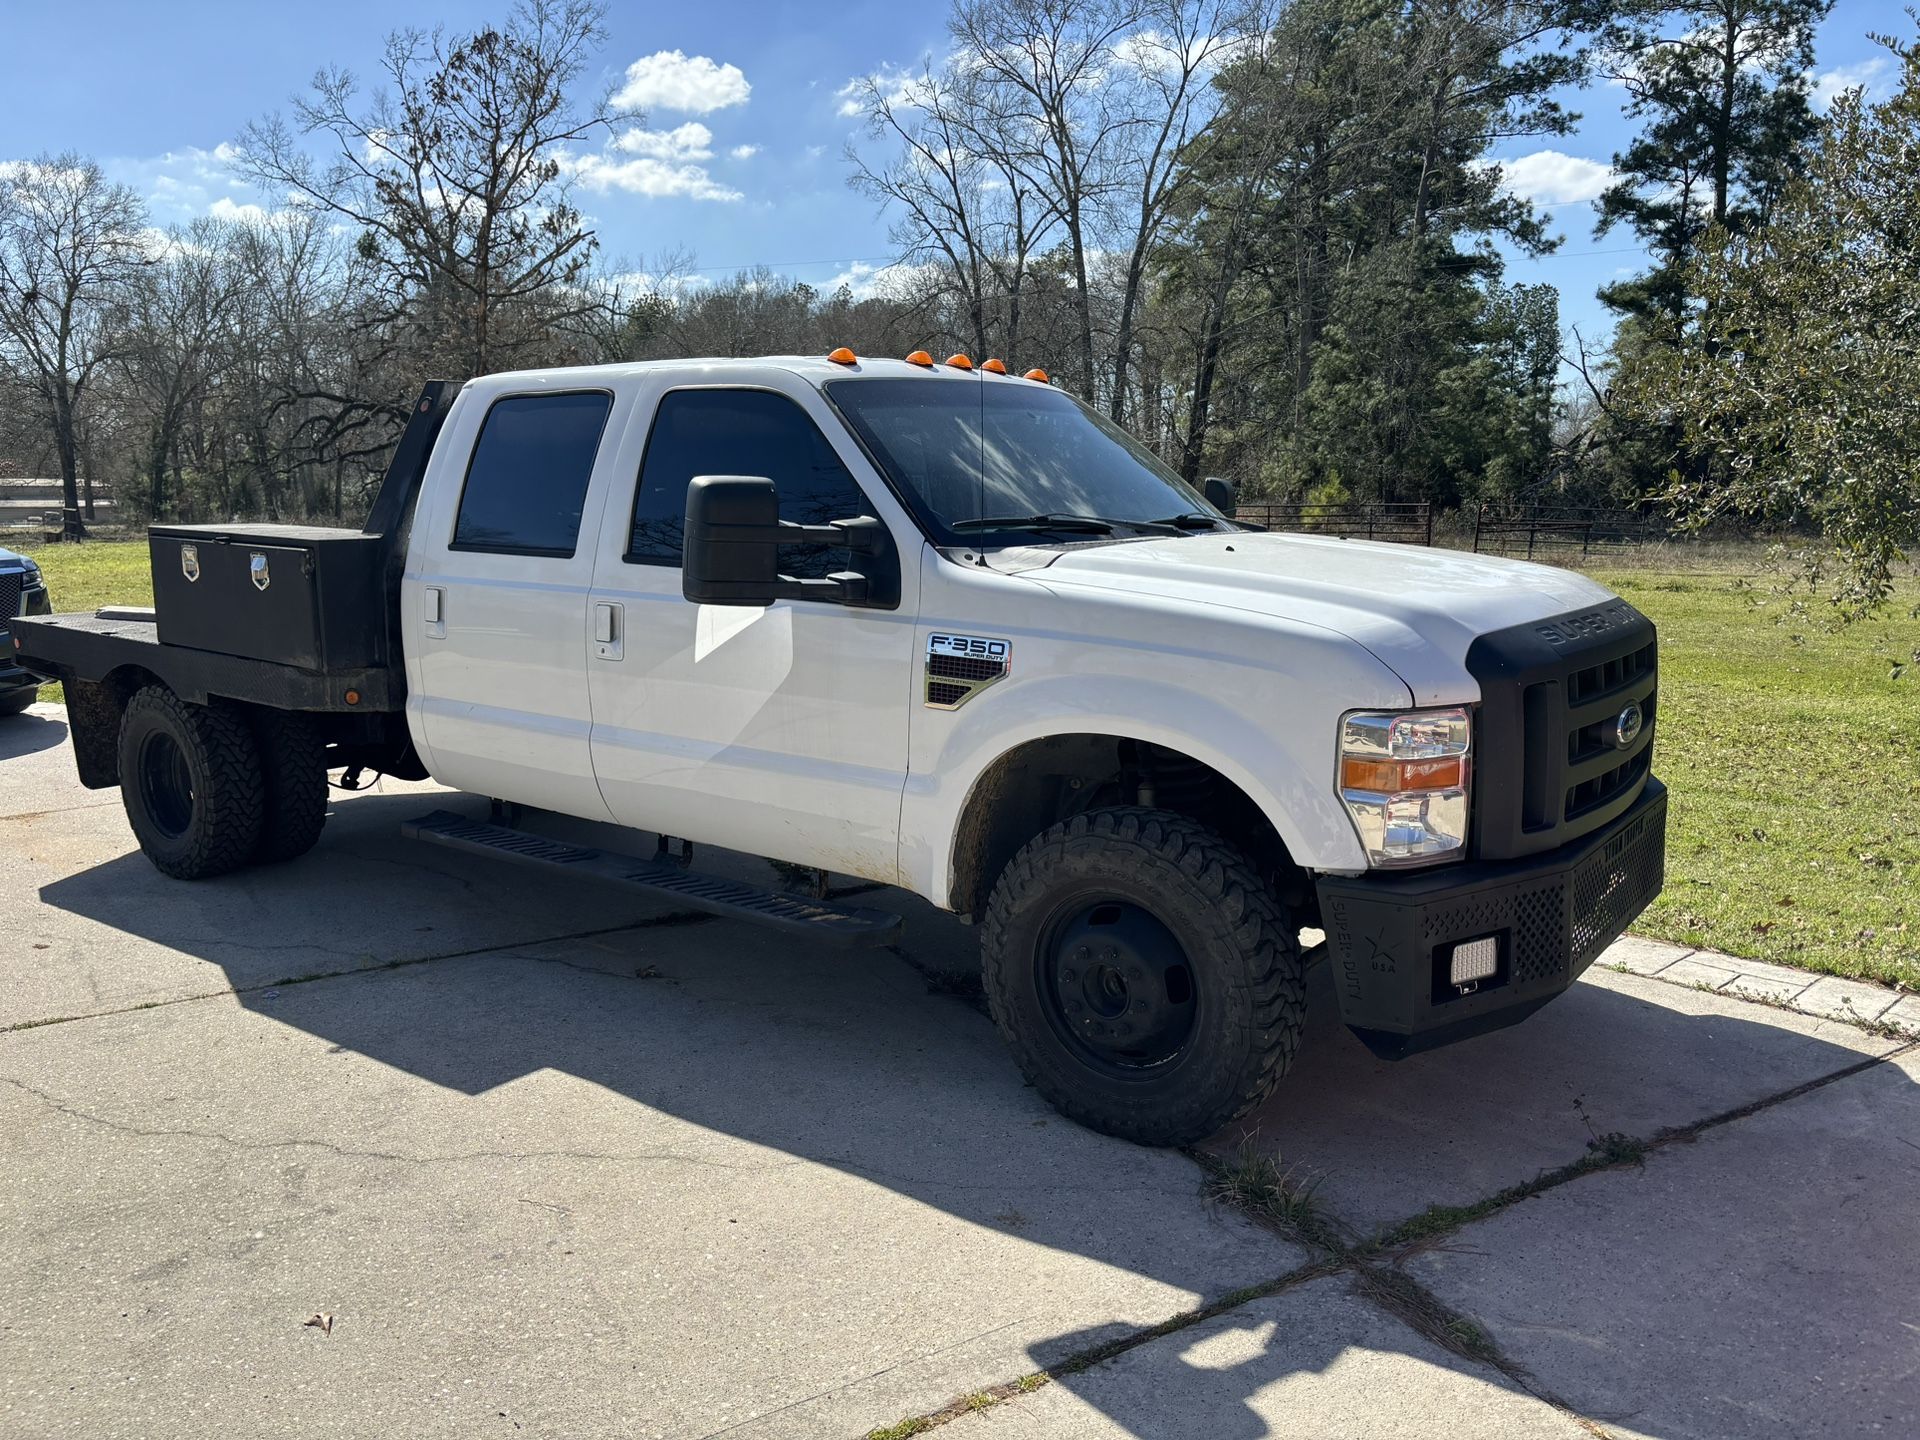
[741,432]
[528,477]
[972,449]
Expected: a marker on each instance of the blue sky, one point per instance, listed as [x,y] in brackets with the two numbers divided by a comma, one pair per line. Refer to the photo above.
[744,164]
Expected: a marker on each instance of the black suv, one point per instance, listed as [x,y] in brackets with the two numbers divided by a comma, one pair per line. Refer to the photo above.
[22,592]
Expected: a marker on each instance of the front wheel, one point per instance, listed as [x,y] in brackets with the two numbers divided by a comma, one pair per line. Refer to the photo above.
[190,779]
[1143,975]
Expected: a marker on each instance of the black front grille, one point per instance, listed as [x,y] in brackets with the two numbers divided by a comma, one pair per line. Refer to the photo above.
[1555,699]
[12,583]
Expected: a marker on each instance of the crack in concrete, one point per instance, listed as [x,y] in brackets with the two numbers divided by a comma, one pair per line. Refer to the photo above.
[1384,1285]
[234,1142]
[676,917]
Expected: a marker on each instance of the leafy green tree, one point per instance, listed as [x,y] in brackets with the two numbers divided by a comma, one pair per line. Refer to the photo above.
[1342,299]
[1720,88]
[1800,382]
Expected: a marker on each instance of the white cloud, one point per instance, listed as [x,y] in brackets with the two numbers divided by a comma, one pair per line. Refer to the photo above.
[867,281]
[649,176]
[691,141]
[744,152]
[674,80]
[227,208]
[893,82]
[1551,177]
[1871,75]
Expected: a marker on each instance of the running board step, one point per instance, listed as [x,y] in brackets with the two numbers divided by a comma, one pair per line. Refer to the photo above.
[845,926]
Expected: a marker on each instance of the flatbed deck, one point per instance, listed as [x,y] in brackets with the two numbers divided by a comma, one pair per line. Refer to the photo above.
[90,648]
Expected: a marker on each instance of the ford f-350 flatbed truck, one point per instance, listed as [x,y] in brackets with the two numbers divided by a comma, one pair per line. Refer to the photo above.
[943,628]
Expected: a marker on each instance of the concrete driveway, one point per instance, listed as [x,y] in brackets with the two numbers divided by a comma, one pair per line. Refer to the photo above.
[553,1161]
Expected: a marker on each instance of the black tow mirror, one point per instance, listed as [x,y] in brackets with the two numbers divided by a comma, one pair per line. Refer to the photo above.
[1223,495]
[732,550]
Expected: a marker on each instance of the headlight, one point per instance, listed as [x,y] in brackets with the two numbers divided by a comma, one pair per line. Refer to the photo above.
[1404,781]
[31,577]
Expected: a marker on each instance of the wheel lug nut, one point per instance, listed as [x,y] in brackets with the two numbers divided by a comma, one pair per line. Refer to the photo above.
[1082,953]
[1068,975]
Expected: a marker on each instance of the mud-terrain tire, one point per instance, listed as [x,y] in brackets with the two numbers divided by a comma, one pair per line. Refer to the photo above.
[191,783]
[293,762]
[1101,934]
[17,704]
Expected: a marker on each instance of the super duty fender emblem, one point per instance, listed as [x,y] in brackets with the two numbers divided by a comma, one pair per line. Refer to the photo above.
[190,562]
[257,568]
[961,666]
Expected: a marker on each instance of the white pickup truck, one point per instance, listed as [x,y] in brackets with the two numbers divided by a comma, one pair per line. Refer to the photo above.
[941,627]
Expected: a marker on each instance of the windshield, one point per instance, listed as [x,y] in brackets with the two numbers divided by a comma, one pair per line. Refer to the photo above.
[991,463]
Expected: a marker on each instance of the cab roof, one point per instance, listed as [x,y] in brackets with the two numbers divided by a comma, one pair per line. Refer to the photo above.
[814,369]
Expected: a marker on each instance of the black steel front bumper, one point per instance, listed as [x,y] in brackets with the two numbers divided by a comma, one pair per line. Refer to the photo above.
[13,679]
[1390,936]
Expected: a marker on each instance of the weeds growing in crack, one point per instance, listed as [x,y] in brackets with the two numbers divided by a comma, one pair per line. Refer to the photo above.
[1282,1195]
[1604,1152]
[1399,1293]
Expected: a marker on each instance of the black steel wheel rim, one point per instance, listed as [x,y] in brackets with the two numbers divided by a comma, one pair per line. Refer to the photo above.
[1116,987]
[166,784]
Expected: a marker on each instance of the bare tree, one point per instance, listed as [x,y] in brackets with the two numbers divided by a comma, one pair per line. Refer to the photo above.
[965,202]
[1160,106]
[456,174]
[1042,66]
[175,328]
[69,244]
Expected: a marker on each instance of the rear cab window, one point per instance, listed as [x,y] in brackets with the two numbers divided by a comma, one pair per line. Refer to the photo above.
[526,482]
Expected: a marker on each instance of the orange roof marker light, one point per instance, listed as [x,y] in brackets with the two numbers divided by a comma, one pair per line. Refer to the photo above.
[1040,375]
[920,357]
[960,362]
[843,356]
[994,366]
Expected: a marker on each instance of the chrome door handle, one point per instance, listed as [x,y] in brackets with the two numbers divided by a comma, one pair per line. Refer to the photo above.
[609,630]
[433,611]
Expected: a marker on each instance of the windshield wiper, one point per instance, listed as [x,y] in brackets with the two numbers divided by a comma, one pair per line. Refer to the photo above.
[1192,520]
[1073,524]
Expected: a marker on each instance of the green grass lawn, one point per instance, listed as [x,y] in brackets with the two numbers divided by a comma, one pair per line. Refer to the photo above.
[1793,757]
[86,576]
[1794,761]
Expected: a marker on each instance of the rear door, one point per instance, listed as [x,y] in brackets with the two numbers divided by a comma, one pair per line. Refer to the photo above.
[778,731]
[495,607]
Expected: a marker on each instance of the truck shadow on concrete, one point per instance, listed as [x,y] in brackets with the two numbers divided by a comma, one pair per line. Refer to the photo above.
[29,733]
[853,1060]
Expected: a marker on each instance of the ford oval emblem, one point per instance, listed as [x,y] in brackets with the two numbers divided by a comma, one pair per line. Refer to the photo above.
[1626,728]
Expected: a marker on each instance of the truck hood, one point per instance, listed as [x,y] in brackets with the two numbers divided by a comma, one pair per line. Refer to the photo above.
[1415,608]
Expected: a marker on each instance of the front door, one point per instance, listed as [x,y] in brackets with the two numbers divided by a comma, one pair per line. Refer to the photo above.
[496,610]
[779,731]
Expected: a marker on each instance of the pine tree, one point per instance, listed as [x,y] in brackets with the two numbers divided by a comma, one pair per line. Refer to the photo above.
[1721,88]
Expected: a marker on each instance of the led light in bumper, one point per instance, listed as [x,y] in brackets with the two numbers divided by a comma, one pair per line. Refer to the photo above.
[1474,960]
[1403,779]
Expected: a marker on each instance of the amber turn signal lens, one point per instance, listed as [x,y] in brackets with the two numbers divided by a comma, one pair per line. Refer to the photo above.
[920,357]
[1039,375]
[1389,777]
[843,356]
[960,362]
[994,366]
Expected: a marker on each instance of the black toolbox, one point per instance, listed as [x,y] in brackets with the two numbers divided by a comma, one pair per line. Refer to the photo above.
[295,594]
